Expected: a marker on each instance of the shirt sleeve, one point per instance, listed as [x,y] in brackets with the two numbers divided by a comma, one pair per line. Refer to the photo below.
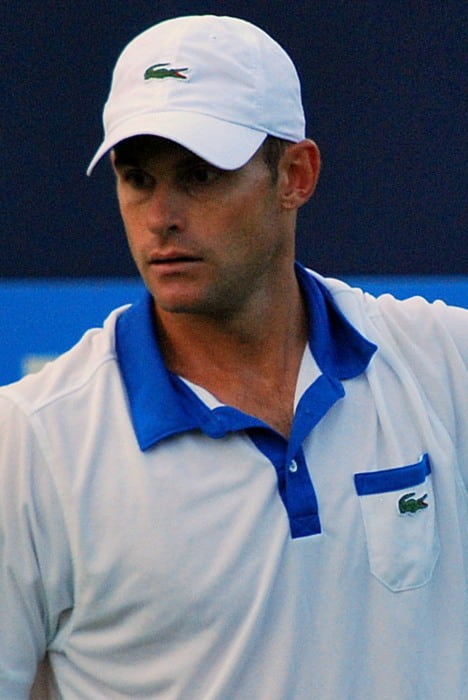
[433,338]
[455,319]
[34,556]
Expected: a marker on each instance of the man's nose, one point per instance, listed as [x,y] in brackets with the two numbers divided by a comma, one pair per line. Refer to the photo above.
[165,210]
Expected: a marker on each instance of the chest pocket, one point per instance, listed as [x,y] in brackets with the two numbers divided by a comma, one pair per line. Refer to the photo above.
[399,518]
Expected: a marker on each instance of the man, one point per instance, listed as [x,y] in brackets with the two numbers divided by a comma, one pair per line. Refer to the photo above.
[252,484]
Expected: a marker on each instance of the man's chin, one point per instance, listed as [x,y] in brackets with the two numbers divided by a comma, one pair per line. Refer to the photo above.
[200,308]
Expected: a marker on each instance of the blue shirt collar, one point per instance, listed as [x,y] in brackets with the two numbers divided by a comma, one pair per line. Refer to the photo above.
[161,405]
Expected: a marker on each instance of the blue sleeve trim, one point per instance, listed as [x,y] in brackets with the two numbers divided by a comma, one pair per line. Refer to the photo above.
[392,479]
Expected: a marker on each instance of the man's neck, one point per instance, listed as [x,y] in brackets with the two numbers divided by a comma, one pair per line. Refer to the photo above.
[250,361]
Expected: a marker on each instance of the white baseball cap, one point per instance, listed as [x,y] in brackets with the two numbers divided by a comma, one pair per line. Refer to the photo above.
[215,85]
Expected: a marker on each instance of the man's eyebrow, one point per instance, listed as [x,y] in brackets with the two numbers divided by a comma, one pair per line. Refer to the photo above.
[191,159]
[124,159]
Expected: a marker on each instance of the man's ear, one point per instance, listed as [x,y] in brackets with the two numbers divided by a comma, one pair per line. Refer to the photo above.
[299,171]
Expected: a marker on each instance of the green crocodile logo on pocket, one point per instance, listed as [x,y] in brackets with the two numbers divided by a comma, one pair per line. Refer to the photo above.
[408,504]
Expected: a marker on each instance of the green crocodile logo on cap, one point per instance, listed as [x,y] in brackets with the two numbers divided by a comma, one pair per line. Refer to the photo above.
[408,504]
[160,71]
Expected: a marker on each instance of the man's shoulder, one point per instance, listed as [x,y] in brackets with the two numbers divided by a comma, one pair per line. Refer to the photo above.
[74,370]
[407,311]
[432,327]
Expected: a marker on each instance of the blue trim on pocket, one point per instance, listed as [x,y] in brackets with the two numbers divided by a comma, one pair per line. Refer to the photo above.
[392,479]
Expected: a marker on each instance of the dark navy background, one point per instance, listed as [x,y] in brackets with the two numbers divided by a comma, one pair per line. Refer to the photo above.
[383,86]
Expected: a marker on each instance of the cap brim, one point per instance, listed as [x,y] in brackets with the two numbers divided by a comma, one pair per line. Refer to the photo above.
[223,144]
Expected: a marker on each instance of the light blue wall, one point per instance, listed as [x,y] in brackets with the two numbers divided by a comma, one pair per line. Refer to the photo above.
[40,319]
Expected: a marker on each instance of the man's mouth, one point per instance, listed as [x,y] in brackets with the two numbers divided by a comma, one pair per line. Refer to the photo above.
[174,261]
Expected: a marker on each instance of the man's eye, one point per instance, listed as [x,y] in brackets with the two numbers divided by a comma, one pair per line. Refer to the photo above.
[202,175]
[137,178]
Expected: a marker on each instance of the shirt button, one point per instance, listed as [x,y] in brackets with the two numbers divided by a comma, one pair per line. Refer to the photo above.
[293,466]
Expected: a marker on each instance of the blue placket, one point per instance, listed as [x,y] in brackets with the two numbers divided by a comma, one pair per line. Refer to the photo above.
[294,481]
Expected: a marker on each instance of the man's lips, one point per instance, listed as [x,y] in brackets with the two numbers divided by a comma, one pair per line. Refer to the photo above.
[167,259]
[173,261]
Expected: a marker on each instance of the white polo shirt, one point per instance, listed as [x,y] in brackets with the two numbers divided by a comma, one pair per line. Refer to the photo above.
[159,544]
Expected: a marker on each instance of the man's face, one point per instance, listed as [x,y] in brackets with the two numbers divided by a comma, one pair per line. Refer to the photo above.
[205,241]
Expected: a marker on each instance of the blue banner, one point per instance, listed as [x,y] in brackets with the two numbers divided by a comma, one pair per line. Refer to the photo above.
[41,319]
